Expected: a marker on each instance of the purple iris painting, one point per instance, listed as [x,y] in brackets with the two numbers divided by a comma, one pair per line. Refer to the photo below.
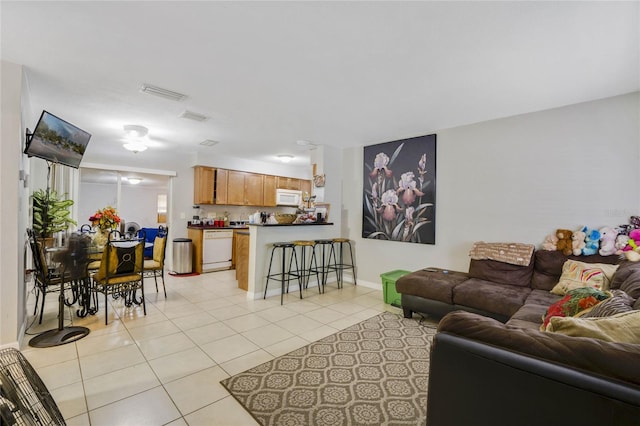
[399,200]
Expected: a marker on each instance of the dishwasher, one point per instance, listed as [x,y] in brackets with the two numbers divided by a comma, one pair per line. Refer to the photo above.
[216,249]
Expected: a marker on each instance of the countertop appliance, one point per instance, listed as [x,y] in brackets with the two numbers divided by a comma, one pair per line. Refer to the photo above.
[216,249]
[288,197]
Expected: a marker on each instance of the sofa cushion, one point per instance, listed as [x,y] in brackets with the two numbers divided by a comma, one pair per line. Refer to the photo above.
[500,272]
[542,297]
[530,314]
[579,352]
[431,283]
[574,302]
[579,274]
[625,272]
[618,303]
[548,267]
[623,327]
[490,296]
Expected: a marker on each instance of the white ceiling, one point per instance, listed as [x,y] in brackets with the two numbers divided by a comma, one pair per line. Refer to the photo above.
[334,73]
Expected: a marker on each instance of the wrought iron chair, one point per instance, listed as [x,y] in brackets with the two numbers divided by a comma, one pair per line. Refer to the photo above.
[121,272]
[46,280]
[154,267]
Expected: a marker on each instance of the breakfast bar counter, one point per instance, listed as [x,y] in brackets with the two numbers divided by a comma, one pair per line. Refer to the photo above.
[261,236]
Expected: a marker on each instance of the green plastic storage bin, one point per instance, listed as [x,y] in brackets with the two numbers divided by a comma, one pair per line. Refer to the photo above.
[391,296]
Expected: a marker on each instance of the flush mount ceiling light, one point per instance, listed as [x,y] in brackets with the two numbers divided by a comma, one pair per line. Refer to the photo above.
[134,180]
[285,158]
[135,137]
[190,115]
[209,142]
[163,93]
[135,131]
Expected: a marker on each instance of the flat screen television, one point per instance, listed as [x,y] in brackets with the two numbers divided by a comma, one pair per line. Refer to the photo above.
[57,140]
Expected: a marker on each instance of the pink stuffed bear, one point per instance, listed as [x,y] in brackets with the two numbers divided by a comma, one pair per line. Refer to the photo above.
[607,241]
[634,241]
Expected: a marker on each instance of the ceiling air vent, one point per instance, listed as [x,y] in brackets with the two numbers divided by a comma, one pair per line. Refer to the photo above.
[208,142]
[163,93]
[190,115]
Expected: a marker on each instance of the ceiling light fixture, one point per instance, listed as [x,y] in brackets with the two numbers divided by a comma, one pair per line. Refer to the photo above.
[163,93]
[190,115]
[134,180]
[209,142]
[135,137]
[285,158]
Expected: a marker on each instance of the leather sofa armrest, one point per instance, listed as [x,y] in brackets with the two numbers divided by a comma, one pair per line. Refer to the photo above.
[618,361]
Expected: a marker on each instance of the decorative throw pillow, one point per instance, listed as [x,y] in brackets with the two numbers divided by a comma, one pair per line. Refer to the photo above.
[618,303]
[580,274]
[623,327]
[573,302]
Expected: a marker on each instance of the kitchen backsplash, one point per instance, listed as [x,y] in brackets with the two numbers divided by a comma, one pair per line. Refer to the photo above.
[237,213]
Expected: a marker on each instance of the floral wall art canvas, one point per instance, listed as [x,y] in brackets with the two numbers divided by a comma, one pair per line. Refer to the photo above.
[399,200]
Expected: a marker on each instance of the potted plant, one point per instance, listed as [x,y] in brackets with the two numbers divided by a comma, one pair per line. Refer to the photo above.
[51,213]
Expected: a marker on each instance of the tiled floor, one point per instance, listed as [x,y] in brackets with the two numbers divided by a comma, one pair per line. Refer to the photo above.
[164,368]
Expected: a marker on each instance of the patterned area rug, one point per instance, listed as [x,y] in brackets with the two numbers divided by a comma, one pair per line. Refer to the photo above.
[372,373]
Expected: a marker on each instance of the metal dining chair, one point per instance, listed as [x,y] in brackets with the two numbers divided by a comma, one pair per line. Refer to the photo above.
[121,272]
[154,267]
[46,280]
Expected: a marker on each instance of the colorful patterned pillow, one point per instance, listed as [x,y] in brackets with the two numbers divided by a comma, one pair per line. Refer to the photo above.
[623,327]
[580,274]
[574,302]
[618,303]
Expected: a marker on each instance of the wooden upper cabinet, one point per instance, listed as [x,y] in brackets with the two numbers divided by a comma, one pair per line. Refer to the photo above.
[221,188]
[253,189]
[235,188]
[269,192]
[288,183]
[203,185]
[305,186]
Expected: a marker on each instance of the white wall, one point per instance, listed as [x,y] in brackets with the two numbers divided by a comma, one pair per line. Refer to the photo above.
[515,179]
[12,290]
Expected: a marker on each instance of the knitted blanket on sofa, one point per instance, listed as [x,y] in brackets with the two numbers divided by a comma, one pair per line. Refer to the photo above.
[513,253]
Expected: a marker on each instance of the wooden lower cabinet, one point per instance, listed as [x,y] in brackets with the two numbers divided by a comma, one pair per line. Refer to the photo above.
[242,259]
[196,238]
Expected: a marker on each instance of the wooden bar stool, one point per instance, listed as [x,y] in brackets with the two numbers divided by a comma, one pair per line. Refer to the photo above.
[285,273]
[324,255]
[340,266]
[304,272]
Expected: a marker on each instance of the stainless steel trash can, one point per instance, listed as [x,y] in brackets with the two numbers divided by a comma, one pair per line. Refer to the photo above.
[182,256]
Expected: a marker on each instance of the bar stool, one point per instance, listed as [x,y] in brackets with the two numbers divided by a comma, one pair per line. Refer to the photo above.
[304,273]
[324,256]
[285,274]
[341,266]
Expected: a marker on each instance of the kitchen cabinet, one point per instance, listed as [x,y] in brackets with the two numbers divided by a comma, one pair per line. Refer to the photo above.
[269,191]
[242,259]
[203,185]
[196,238]
[305,186]
[244,189]
[221,187]
[288,183]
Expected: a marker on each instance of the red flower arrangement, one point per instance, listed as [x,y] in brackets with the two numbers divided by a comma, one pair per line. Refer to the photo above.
[105,219]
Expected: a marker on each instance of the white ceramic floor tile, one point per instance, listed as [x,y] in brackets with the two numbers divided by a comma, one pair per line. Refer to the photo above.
[194,320]
[269,334]
[152,407]
[228,312]
[228,348]
[226,412]
[209,333]
[111,387]
[109,361]
[61,374]
[245,362]
[318,333]
[70,400]
[299,324]
[324,315]
[286,346]
[152,331]
[276,314]
[91,345]
[42,357]
[165,345]
[81,420]
[195,391]
[246,322]
[180,364]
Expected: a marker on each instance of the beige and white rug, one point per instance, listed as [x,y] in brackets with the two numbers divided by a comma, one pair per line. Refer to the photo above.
[372,373]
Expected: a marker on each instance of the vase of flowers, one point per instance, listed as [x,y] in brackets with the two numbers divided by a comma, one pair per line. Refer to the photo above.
[104,221]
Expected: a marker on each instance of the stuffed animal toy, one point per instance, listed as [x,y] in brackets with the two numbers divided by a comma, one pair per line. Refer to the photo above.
[607,241]
[564,241]
[550,243]
[591,242]
[622,241]
[633,242]
[634,221]
[577,241]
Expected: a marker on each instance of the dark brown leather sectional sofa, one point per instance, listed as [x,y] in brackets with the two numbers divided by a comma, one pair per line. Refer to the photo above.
[490,364]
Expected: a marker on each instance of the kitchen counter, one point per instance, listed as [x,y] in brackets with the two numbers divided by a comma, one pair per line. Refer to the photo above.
[216,227]
[291,224]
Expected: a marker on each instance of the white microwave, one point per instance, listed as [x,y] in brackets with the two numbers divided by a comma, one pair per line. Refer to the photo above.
[288,197]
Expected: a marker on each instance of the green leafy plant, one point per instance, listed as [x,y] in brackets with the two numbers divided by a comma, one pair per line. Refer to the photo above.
[51,213]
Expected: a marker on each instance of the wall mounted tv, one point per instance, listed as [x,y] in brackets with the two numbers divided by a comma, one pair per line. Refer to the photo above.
[57,140]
